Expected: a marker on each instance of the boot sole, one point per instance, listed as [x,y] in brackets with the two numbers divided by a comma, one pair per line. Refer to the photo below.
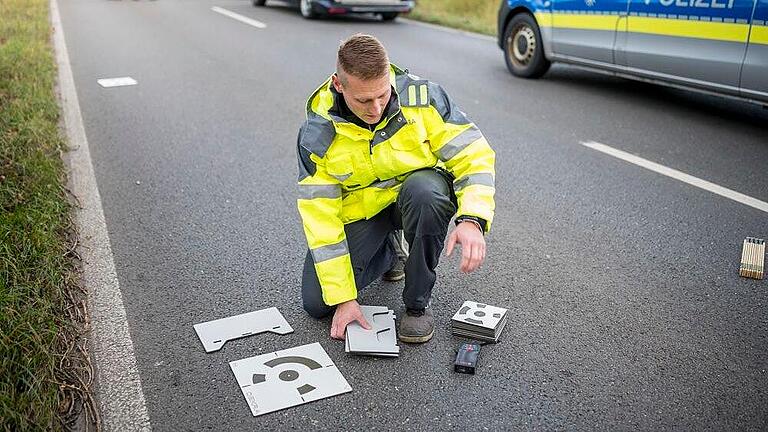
[393,278]
[416,339]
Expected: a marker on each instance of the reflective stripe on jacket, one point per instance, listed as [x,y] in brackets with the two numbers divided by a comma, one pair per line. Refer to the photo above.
[348,173]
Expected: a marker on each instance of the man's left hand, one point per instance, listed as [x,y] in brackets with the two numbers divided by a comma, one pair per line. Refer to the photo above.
[472,244]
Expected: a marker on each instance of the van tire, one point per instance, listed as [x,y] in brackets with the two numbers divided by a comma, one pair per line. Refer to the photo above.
[523,47]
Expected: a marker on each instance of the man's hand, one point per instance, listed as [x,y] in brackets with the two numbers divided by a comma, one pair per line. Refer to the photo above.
[472,246]
[346,313]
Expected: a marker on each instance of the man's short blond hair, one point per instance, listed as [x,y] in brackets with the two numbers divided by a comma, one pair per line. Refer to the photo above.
[363,57]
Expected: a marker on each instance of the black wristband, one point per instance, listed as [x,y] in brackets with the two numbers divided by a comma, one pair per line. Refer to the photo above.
[480,222]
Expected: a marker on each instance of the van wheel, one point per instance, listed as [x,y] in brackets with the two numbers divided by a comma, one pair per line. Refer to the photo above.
[523,48]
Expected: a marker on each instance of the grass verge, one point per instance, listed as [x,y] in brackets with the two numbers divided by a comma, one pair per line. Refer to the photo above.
[472,15]
[44,372]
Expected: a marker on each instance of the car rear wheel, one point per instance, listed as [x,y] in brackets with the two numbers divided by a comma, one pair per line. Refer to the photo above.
[389,16]
[259,2]
[305,6]
[523,49]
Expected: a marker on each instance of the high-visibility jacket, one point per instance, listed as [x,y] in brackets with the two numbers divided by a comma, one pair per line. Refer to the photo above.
[348,173]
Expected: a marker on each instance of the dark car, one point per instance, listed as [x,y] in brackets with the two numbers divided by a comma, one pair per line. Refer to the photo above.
[388,9]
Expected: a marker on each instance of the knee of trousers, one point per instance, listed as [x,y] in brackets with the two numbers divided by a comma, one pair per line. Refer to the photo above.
[424,202]
[426,193]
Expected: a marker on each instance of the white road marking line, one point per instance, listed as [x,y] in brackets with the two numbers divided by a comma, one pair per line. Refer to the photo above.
[120,396]
[116,82]
[679,175]
[243,19]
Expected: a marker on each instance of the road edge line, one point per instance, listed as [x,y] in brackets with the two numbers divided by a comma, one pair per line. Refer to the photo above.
[120,396]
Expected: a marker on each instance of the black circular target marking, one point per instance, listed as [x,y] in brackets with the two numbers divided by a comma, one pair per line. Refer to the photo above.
[479,314]
[308,362]
[288,375]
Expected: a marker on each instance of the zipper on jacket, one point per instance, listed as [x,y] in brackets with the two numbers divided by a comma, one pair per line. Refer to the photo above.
[370,142]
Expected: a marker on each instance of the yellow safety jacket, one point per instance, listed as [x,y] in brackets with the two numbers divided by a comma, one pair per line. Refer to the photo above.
[348,173]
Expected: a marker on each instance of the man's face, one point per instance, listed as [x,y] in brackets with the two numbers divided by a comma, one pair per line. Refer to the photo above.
[367,99]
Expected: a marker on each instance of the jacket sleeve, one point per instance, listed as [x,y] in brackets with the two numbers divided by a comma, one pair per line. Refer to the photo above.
[319,205]
[460,145]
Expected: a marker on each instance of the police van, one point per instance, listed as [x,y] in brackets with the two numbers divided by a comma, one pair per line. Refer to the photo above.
[718,46]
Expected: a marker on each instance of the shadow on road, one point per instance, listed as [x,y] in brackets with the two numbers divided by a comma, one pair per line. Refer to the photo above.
[667,99]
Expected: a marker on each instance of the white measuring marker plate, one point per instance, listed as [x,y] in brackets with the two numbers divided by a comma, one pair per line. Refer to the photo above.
[381,340]
[214,334]
[116,82]
[287,378]
[480,314]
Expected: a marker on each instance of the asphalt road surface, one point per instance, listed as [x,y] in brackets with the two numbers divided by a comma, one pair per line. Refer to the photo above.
[626,309]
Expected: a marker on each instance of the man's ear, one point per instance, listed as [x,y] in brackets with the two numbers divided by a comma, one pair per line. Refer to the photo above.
[337,83]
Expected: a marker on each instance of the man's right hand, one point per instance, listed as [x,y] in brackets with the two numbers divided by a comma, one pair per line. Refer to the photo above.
[346,313]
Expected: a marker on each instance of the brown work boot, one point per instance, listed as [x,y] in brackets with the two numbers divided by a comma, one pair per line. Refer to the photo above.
[396,273]
[416,326]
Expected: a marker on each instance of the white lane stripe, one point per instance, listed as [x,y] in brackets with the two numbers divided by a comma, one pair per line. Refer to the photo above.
[243,19]
[118,385]
[116,82]
[678,175]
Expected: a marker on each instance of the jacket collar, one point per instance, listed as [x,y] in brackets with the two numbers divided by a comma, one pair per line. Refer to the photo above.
[324,104]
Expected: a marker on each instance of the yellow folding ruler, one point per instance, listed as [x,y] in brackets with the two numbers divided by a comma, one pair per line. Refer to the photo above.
[752,258]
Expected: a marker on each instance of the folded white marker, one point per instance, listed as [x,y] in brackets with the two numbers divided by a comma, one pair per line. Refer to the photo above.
[214,334]
[380,341]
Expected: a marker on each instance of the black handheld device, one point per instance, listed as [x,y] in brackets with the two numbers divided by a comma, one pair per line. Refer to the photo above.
[466,358]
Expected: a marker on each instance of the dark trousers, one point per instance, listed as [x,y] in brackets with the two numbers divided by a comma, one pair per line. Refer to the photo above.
[423,210]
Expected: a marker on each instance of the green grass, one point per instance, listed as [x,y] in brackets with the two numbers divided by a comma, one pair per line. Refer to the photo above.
[37,333]
[472,15]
